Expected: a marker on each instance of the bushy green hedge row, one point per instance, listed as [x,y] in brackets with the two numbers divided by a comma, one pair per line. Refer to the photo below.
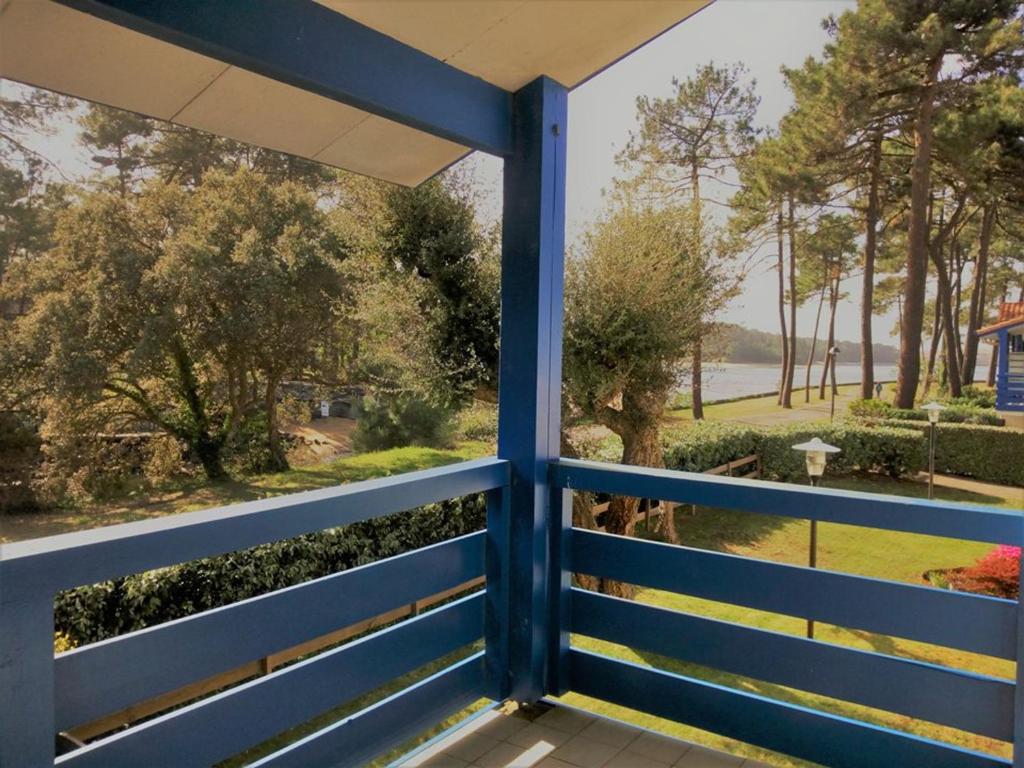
[954,413]
[99,611]
[710,444]
[991,454]
[891,450]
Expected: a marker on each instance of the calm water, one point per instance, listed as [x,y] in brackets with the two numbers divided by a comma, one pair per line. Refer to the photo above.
[725,380]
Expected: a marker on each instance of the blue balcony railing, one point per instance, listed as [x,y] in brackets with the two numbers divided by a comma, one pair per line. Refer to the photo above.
[41,695]
[986,625]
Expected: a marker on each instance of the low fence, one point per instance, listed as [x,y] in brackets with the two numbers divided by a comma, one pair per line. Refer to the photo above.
[749,468]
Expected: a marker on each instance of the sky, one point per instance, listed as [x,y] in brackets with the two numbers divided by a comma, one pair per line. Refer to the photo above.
[764,35]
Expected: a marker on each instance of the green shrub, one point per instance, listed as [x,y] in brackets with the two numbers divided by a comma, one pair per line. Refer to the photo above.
[248,451]
[478,422]
[986,453]
[894,451]
[709,444]
[91,613]
[976,396]
[20,458]
[398,419]
[954,413]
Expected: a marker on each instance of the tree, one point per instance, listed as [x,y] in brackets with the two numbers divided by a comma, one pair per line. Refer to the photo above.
[136,148]
[634,298]
[699,134]
[828,247]
[430,233]
[182,311]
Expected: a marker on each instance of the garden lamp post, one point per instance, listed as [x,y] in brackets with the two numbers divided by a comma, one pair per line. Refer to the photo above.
[933,410]
[816,454]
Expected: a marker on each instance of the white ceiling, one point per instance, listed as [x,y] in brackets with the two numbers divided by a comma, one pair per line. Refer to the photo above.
[507,43]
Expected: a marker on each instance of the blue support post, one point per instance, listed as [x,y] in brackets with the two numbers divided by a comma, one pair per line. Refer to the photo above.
[560,591]
[27,734]
[1003,369]
[496,613]
[529,416]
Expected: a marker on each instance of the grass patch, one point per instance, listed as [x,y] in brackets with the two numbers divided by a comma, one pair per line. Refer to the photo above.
[195,495]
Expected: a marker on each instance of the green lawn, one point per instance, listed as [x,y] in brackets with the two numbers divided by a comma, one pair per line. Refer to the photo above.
[864,551]
[194,495]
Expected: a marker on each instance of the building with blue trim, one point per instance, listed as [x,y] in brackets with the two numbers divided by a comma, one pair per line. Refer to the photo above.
[1008,332]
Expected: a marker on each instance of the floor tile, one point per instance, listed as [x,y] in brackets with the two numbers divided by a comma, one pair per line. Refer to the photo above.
[554,762]
[658,747]
[568,720]
[503,726]
[440,760]
[702,757]
[471,746]
[585,752]
[535,733]
[611,732]
[629,759]
[507,755]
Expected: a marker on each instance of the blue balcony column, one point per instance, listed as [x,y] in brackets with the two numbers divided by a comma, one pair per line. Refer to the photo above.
[26,673]
[529,411]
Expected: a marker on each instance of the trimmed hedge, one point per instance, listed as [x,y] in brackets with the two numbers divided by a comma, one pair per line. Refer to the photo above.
[990,454]
[895,451]
[710,444]
[91,613]
[954,413]
[894,447]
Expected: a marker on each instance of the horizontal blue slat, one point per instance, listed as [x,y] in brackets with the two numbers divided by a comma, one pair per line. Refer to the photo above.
[50,564]
[960,521]
[954,619]
[823,738]
[105,677]
[224,725]
[975,703]
[309,46]
[356,740]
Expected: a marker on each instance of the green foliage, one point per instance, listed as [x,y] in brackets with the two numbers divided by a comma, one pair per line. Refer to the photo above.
[478,422]
[975,396]
[632,312]
[96,612]
[954,413]
[893,451]
[986,453]
[180,310]
[19,461]
[247,451]
[430,232]
[710,444]
[889,450]
[392,420]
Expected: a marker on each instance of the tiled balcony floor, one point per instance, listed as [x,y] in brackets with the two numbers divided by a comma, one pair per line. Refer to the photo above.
[561,737]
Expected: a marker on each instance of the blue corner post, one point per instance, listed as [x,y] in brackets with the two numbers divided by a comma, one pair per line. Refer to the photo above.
[26,673]
[529,411]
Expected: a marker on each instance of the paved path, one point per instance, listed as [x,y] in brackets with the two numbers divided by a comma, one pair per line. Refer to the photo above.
[987,489]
